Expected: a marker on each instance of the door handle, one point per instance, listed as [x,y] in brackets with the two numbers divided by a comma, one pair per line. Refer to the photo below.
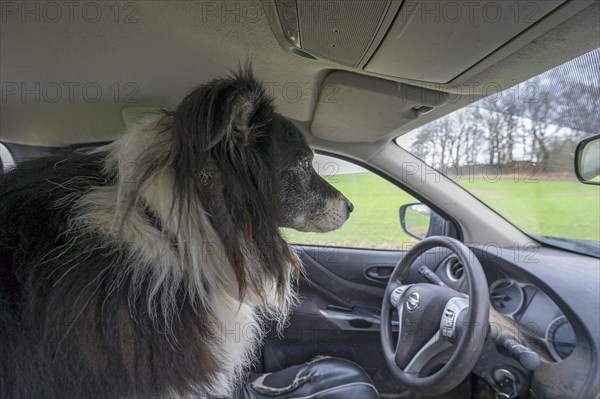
[379,273]
[357,318]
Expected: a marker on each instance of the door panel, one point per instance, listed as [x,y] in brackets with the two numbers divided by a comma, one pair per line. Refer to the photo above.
[342,272]
[339,312]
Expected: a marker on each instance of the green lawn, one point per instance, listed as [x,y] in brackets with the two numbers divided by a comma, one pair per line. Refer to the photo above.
[558,208]
[375,222]
[554,208]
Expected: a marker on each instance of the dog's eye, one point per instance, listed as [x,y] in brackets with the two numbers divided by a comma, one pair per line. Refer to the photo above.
[304,164]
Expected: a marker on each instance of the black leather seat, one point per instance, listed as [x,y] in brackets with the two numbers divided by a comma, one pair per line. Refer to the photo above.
[321,378]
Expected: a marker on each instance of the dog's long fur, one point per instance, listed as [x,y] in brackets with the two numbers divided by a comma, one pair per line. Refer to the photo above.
[152,266]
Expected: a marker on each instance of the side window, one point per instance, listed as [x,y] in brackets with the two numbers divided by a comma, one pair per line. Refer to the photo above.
[374,223]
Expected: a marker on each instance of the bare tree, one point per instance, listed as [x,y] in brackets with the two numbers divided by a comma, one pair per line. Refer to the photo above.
[536,121]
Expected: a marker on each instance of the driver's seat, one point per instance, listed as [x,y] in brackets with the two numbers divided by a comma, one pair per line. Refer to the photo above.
[321,378]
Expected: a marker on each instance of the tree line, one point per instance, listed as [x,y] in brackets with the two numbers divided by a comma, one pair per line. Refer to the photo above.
[538,121]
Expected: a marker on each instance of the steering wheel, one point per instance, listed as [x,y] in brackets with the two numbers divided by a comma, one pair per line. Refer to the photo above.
[437,324]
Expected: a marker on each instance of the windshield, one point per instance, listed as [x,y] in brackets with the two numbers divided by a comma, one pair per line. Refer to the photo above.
[514,150]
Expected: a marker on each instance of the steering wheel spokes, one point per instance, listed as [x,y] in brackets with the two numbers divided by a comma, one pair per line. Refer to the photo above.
[442,340]
[454,307]
[424,310]
[433,348]
[396,295]
[437,344]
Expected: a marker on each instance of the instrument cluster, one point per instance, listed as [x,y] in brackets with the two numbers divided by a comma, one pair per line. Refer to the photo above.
[536,312]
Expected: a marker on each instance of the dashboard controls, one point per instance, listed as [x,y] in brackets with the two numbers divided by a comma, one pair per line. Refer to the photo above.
[396,294]
[430,276]
[505,384]
[448,322]
[506,296]
[561,338]
[528,358]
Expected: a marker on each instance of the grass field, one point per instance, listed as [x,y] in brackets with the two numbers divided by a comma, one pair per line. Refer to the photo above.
[554,208]
[375,222]
[558,208]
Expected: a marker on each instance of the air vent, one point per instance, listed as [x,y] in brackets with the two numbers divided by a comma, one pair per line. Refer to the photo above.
[454,269]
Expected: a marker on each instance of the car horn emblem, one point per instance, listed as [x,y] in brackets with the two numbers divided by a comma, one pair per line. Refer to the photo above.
[413,301]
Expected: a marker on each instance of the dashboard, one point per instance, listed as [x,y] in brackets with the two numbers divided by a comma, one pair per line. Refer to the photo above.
[552,297]
[552,302]
[530,307]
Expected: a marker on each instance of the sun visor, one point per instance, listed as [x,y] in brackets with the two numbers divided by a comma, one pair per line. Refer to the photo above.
[436,41]
[359,108]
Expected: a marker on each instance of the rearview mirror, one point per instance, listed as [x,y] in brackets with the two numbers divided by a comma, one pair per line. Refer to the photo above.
[587,160]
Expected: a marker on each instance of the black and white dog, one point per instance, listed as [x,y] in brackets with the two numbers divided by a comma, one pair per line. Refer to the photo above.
[151,267]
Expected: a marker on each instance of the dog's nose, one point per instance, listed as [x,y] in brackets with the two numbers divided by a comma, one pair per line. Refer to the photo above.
[350,206]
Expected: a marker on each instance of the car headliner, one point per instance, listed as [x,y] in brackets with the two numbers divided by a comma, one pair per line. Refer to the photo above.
[173,46]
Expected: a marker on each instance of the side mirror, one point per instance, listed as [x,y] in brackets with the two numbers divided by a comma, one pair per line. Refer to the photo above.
[415,219]
[587,160]
[420,221]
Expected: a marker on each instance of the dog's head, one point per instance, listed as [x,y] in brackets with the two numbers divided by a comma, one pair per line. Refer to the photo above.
[307,201]
[251,170]
[255,160]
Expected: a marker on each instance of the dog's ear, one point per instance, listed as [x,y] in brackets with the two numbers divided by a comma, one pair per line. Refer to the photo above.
[247,119]
[232,109]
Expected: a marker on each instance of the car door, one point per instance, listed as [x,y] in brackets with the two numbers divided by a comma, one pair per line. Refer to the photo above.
[345,274]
